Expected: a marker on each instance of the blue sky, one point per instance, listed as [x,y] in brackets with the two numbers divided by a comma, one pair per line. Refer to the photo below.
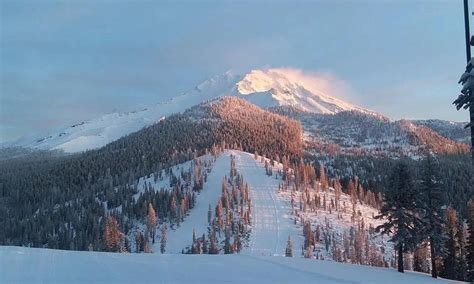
[65,61]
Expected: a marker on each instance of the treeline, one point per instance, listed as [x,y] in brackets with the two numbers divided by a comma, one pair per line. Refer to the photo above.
[369,134]
[58,201]
[416,206]
[319,202]
[417,217]
[229,226]
[456,174]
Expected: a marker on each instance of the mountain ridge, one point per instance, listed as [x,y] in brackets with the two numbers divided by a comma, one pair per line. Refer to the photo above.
[268,88]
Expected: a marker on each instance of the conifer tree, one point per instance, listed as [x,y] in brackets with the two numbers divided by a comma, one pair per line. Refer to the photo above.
[112,235]
[163,238]
[322,176]
[400,211]
[289,248]
[451,259]
[213,249]
[432,202]
[470,241]
[151,222]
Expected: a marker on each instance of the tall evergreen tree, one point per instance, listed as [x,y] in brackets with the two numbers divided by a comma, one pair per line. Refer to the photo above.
[400,211]
[432,202]
[451,259]
[289,248]
[151,221]
[113,237]
[163,238]
[470,244]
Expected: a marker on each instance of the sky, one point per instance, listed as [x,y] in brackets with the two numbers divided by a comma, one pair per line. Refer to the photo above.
[67,61]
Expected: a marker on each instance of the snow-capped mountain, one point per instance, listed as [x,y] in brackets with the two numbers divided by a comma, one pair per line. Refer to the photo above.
[281,87]
[264,88]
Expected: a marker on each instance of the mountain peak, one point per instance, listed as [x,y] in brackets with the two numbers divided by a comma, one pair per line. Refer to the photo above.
[289,87]
[265,88]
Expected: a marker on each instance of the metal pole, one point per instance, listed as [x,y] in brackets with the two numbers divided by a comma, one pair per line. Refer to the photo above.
[467,32]
[468,58]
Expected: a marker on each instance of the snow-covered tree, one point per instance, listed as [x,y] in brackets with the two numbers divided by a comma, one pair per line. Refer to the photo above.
[466,99]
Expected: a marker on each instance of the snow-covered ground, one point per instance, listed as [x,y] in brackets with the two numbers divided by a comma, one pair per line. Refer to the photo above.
[31,265]
[271,214]
[261,261]
[181,237]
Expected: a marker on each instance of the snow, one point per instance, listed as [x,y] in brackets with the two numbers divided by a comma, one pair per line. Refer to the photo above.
[181,237]
[265,88]
[270,213]
[261,261]
[288,87]
[32,265]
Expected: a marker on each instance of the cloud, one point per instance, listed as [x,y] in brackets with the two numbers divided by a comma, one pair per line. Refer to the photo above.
[320,82]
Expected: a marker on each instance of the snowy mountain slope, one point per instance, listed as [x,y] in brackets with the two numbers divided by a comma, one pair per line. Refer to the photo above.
[181,237]
[354,132]
[450,129]
[260,261]
[32,265]
[325,118]
[265,88]
[339,223]
[281,87]
[272,222]
[271,214]
[98,132]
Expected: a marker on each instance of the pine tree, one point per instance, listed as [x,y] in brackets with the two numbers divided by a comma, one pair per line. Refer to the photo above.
[163,238]
[112,235]
[289,248]
[213,249]
[322,176]
[209,215]
[399,210]
[451,260]
[470,243]
[432,202]
[151,222]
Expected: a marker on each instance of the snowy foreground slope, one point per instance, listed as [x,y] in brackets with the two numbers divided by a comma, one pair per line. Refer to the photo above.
[30,265]
[260,261]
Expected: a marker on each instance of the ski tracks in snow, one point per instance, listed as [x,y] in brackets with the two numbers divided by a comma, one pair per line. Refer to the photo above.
[271,222]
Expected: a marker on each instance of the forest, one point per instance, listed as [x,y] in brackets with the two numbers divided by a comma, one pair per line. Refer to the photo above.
[52,200]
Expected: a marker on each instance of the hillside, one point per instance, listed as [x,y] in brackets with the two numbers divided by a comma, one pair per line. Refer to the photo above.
[330,123]
[73,184]
[47,266]
[261,259]
[450,129]
[353,132]
[265,88]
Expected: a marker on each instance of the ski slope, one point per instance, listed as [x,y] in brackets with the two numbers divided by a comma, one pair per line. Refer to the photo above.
[181,237]
[32,265]
[271,215]
[261,261]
